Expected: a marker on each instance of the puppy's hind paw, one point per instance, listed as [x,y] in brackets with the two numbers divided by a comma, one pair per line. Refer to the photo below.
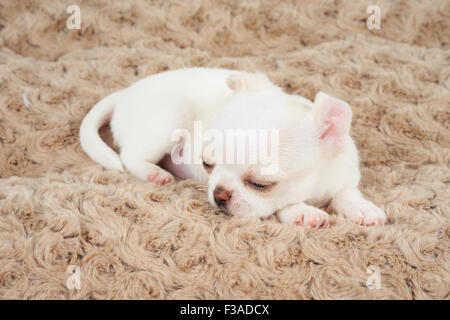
[160,177]
[248,81]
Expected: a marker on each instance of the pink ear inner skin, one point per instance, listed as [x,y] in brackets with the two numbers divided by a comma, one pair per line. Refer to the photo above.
[335,120]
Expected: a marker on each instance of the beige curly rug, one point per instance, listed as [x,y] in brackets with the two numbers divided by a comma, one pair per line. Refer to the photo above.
[131,239]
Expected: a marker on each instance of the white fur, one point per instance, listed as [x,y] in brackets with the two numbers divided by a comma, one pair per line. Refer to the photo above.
[144,116]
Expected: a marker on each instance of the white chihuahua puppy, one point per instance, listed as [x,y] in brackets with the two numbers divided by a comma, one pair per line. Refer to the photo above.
[315,158]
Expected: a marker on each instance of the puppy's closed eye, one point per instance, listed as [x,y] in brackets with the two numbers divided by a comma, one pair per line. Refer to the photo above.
[260,186]
[208,166]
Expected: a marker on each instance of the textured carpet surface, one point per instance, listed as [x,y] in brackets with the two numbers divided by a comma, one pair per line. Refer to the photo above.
[131,239]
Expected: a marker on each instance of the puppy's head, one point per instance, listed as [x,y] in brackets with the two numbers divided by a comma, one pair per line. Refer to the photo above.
[268,149]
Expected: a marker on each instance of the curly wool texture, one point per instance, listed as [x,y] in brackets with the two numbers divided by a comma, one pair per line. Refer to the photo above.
[134,240]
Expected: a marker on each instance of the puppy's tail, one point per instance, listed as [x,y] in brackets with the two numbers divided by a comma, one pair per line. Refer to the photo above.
[90,140]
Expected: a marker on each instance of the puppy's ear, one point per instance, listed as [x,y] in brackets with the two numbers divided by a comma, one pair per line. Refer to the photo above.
[333,118]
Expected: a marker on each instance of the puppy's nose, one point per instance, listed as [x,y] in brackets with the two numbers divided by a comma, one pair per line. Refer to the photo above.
[221,196]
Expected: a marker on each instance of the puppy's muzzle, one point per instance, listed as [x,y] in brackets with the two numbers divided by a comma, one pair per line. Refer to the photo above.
[221,196]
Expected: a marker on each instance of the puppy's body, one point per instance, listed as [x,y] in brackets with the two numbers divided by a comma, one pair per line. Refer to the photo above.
[318,160]
[145,115]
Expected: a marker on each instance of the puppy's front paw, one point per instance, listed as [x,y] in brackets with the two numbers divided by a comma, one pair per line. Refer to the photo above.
[304,215]
[362,212]
[160,177]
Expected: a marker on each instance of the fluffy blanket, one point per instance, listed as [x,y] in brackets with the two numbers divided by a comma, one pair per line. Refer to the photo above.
[127,239]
